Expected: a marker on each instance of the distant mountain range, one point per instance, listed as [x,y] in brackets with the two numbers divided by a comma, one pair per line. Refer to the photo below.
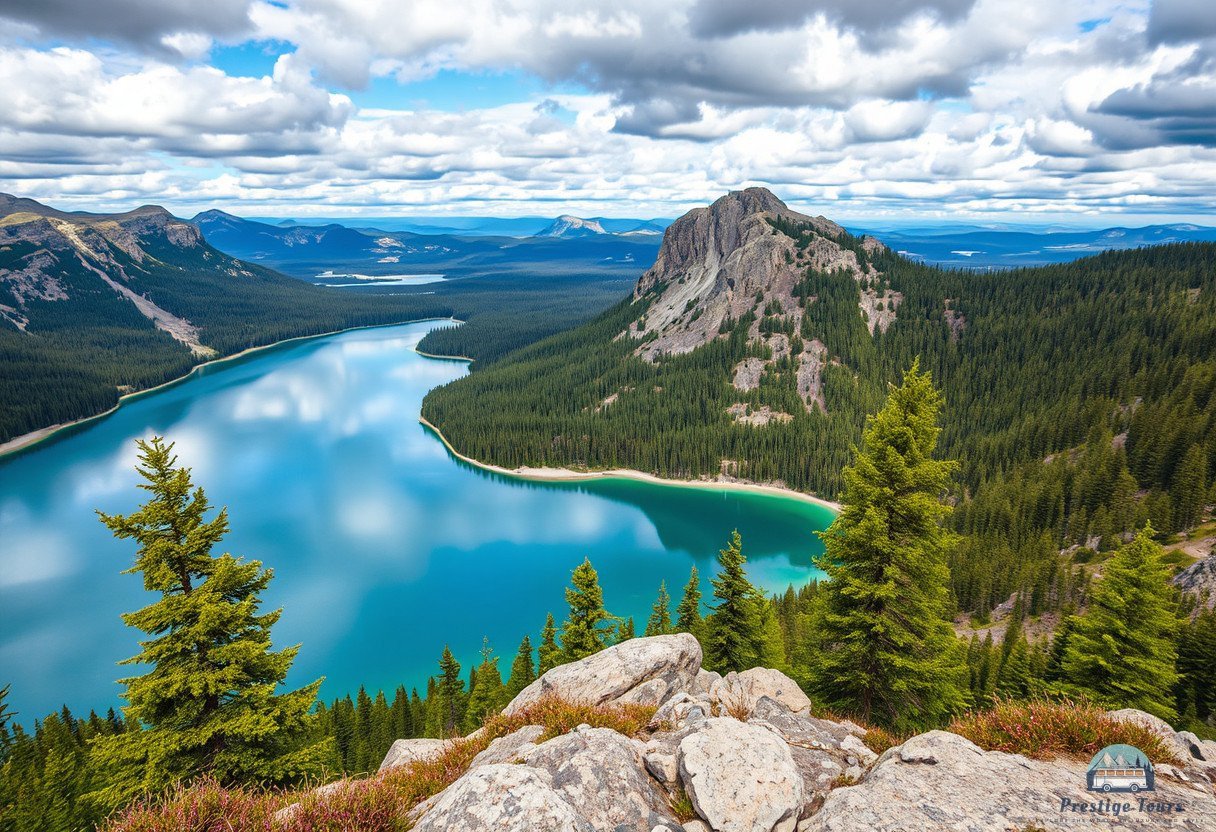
[476,226]
[306,251]
[1002,249]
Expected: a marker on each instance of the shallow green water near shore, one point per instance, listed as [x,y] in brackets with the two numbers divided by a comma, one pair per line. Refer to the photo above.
[384,546]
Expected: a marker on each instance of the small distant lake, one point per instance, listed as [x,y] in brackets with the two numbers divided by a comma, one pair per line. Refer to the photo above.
[384,546]
[362,281]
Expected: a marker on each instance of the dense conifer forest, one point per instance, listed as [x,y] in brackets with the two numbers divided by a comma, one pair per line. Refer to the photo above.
[1078,401]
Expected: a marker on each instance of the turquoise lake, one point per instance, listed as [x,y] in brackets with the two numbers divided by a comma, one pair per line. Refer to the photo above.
[384,546]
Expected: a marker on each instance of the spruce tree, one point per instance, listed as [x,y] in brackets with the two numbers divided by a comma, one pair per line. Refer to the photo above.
[890,655]
[1122,650]
[659,623]
[688,612]
[590,626]
[449,695]
[626,631]
[734,630]
[208,703]
[1190,488]
[548,655]
[523,672]
[485,696]
[1197,668]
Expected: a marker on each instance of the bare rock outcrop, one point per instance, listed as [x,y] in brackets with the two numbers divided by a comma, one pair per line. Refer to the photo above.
[747,254]
[1199,579]
[404,752]
[744,753]
[740,777]
[602,773]
[645,671]
[940,780]
[743,691]
[502,798]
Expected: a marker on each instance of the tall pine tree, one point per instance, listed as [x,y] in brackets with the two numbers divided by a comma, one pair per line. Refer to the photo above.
[208,703]
[590,626]
[523,671]
[1122,648]
[890,655]
[659,623]
[549,654]
[734,630]
[688,612]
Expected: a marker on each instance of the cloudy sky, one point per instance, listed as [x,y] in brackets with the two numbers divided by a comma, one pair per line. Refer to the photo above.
[1001,110]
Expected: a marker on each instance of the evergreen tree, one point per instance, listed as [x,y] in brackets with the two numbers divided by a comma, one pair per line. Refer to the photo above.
[590,626]
[1190,488]
[449,695]
[485,697]
[890,654]
[208,703]
[6,717]
[659,623]
[734,629]
[1122,650]
[549,655]
[688,613]
[1059,645]
[1197,668]
[523,671]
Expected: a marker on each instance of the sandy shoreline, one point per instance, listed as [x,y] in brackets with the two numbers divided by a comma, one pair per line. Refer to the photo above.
[27,440]
[566,475]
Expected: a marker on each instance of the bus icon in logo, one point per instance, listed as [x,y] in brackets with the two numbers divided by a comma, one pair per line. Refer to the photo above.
[1120,768]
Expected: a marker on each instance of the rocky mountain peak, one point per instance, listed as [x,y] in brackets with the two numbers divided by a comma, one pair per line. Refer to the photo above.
[571,226]
[744,258]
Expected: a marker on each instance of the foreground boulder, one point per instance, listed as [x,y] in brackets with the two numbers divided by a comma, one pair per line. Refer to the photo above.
[643,671]
[504,798]
[404,752]
[738,693]
[940,780]
[740,778]
[601,772]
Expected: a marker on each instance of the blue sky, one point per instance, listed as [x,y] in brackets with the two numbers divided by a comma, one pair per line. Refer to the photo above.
[1083,112]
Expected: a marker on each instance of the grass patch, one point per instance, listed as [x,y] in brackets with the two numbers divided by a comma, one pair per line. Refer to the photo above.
[681,806]
[1044,729]
[377,804]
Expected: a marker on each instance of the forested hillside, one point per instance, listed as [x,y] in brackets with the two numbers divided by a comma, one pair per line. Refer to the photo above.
[1078,397]
[92,306]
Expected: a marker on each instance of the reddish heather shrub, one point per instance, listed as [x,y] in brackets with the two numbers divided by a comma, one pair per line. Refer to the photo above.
[879,740]
[203,806]
[1055,729]
[365,805]
[376,804]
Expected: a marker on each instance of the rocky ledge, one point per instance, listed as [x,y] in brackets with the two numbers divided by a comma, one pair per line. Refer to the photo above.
[743,753]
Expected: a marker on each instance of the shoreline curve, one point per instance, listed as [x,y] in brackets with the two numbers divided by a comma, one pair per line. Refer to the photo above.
[35,437]
[568,475]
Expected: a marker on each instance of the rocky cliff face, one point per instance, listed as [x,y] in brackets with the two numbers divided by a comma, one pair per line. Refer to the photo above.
[51,255]
[737,257]
[742,753]
[1199,579]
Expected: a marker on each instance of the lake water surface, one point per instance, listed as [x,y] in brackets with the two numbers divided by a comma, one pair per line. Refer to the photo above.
[384,546]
